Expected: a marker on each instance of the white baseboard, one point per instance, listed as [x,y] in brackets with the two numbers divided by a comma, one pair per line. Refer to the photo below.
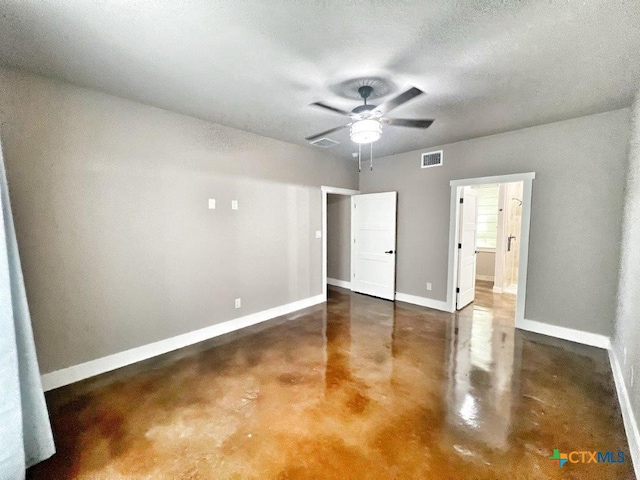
[339,283]
[95,367]
[497,289]
[422,301]
[487,278]
[578,336]
[628,417]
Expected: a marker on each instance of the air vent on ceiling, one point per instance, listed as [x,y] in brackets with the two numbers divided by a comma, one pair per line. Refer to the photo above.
[431,159]
[324,143]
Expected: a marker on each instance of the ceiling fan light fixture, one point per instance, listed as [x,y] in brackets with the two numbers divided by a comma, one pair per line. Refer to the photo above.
[365,131]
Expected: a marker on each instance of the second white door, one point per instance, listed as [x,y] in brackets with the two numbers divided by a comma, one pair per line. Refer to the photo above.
[466,290]
[373,267]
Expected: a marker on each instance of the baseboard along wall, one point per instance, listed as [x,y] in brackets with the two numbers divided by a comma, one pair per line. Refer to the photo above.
[101,365]
[422,301]
[486,278]
[578,336]
[339,283]
[628,417]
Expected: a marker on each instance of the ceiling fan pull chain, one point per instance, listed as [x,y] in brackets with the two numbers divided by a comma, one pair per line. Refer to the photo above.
[359,157]
[371,155]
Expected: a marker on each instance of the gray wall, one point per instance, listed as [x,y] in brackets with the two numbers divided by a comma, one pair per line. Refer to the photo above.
[580,167]
[339,237]
[627,329]
[118,246]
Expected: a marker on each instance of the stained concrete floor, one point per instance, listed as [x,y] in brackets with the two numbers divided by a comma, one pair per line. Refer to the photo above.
[359,388]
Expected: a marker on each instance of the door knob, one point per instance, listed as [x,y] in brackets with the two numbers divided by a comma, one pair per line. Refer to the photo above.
[389,251]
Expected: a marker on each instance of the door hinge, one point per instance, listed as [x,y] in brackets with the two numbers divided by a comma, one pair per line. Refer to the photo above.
[462,200]
[459,245]
[354,240]
[457,289]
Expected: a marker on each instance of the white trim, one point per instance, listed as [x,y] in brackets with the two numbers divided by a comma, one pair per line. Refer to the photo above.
[527,187]
[486,278]
[339,283]
[422,301]
[628,417]
[497,289]
[352,239]
[516,177]
[578,336]
[325,190]
[339,191]
[523,261]
[91,368]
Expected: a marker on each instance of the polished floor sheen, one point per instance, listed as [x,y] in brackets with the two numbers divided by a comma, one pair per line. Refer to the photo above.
[359,388]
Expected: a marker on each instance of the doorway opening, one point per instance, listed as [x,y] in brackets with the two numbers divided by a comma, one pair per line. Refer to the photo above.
[368,264]
[336,230]
[489,248]
[489,243]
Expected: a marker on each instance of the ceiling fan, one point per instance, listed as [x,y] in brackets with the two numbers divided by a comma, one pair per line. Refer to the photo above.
[367,120]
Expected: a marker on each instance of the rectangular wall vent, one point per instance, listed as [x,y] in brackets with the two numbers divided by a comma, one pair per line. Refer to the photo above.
[431,159]
[324,143]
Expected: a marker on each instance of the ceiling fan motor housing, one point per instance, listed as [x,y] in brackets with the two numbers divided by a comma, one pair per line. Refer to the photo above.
[365,91]
[363,108]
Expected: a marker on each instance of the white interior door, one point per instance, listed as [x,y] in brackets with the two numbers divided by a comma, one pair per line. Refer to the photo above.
[373,267]
[466,290]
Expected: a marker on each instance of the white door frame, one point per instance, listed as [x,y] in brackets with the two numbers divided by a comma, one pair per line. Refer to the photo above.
[325,191]
[456,185]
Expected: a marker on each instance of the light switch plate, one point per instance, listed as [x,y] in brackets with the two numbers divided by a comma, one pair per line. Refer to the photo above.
[238,303]
[212,204]
[318,234]
[234,204]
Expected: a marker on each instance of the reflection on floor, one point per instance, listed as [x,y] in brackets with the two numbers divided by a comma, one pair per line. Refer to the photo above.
[489,307]
[359,388]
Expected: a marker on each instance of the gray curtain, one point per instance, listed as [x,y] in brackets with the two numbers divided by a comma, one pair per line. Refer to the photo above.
[25,431]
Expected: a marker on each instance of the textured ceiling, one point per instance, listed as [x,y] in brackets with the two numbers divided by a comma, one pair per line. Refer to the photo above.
[487,66]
